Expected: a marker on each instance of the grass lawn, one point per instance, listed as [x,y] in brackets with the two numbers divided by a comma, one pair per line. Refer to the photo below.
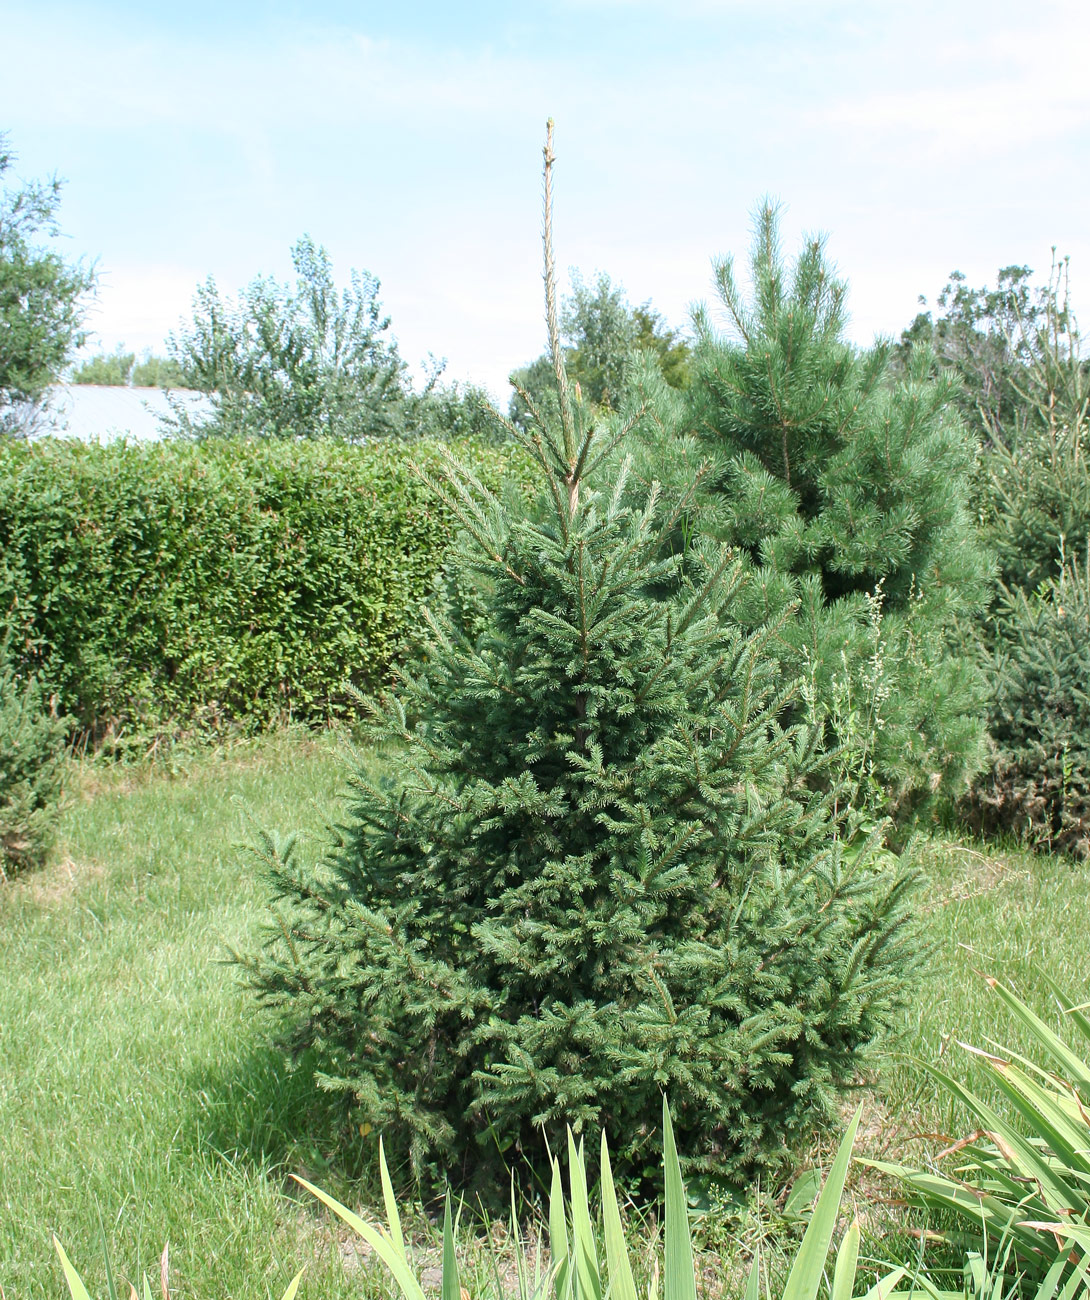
[136,1080]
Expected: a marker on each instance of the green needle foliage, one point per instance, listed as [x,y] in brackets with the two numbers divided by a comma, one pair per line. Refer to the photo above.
[31,760]
[595,873]
[1037,784]
[846,487]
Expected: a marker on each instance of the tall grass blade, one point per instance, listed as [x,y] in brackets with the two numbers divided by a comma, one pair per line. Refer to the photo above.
[111,1285]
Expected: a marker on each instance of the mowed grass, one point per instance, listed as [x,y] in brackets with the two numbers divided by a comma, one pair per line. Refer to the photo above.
[135,1077]
[137,1080]
[986,911]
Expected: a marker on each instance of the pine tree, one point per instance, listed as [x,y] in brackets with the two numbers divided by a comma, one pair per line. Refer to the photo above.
[845,484]
[593,872]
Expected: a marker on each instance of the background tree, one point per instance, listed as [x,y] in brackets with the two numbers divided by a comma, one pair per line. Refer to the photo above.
[121,369]
[1024,382]
[1037,782]
[593,872]
[605,342]
[42,298]
[982,336]
[307,361]
[846,486]
[112,369]
[1023,376]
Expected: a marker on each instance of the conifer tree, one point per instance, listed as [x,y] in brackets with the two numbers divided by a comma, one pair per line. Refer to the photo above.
[593,872]
[1037,783]
[845,482]
[31,767]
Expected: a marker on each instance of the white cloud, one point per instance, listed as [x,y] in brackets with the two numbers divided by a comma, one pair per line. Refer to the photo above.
[922,138]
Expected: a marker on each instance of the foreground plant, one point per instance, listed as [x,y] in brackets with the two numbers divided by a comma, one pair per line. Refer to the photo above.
[596,872]
[577,1269]
[1020,1181]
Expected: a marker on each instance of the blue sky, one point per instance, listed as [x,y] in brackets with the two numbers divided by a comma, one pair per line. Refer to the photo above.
[205,138]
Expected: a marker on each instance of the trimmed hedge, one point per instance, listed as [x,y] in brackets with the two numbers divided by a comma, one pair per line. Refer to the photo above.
[179,585]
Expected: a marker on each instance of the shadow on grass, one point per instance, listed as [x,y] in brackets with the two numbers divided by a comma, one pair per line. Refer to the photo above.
[259,1111]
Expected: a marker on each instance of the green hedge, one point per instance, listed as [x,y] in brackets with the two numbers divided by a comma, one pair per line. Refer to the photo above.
[178,584]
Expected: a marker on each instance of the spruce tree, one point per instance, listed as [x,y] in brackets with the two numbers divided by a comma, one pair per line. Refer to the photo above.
[1037,782]
[593,872]
[845,483]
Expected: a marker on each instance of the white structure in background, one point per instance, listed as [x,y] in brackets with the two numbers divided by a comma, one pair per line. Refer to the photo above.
[102,413]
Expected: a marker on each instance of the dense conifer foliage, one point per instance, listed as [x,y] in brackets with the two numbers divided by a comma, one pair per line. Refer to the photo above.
[1037,784]
[31,757]
[595,872]
[846,485]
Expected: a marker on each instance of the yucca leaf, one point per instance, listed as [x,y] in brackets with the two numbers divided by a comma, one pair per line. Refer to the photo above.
[847,1258]
[75,1285]
[1044,1115]
[1076,1014]
[808,1266]
[558,1236]
[886,1286]
[1025,1158]
[379,1241]
[582,1229]
[1051,1280]
[393,1218]
[452,1288]
[934,1191]
[1072,1065]
[1076,1284]
[679,1281]
[293,1286]
[622,1285]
